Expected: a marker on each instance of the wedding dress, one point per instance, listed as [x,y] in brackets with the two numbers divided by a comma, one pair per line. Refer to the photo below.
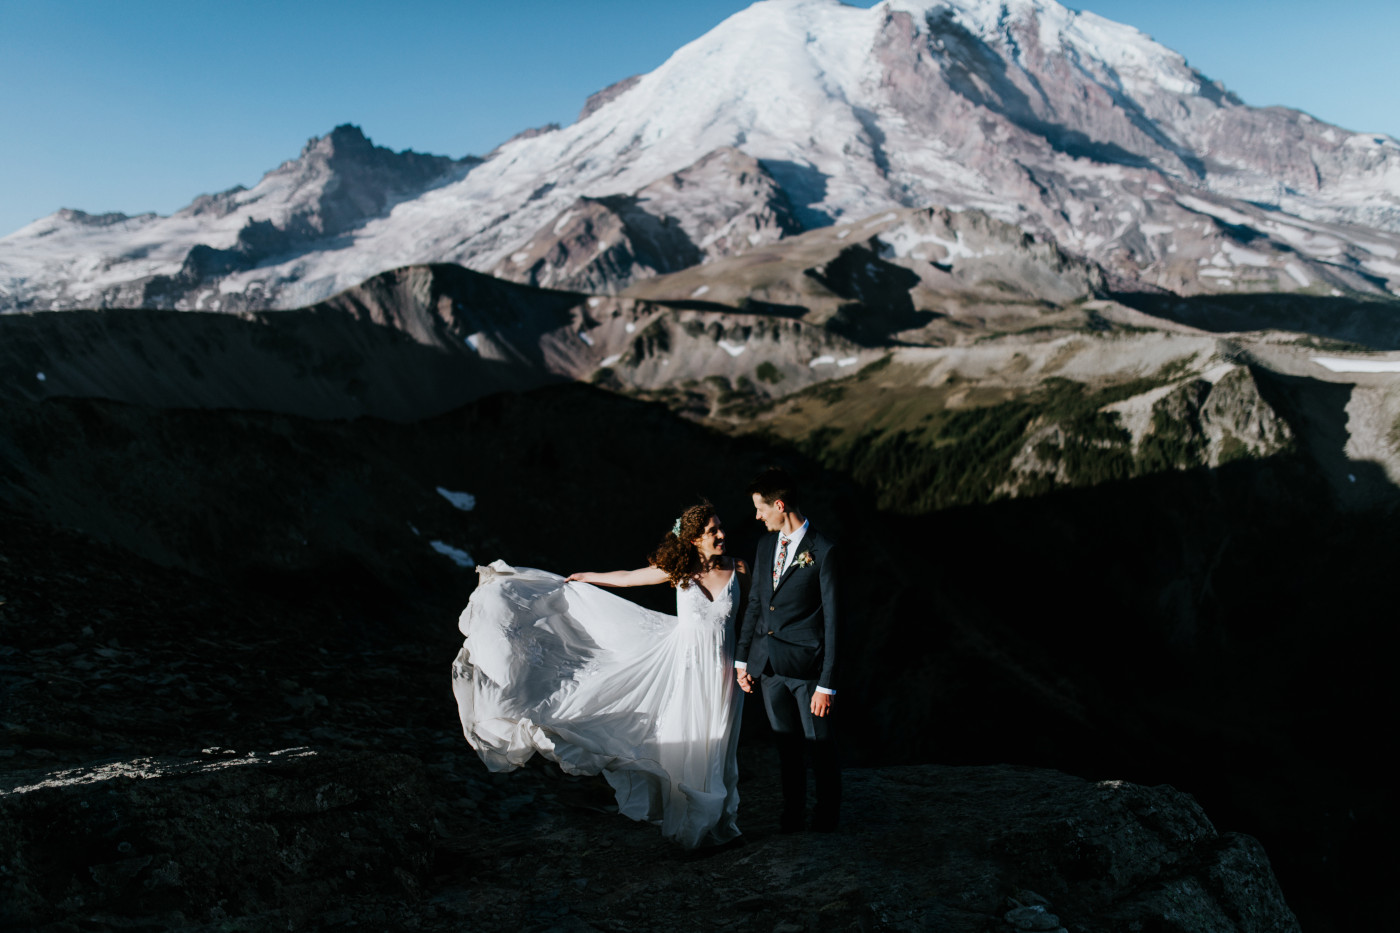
[601,685]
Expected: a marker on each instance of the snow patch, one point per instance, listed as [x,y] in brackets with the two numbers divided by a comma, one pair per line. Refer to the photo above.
[459,557]
[583,335]
[1244,257]
[848,361]
[1218,372]
[902,241]
[611,360]
[1377,249]
[822,361]
[733,349]
[1298,274]
[1340,365]
[594,302]
[629,327]
[1383,268]
[1215,210]
[700,291]
[461,500]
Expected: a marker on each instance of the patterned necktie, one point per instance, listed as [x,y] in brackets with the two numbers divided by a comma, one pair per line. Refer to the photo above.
[780,559]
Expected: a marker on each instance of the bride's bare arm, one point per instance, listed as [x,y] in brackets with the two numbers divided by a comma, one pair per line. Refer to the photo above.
[645,576]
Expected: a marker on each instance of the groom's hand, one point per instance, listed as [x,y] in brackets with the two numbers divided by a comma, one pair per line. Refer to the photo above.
[745,681]
[821,704]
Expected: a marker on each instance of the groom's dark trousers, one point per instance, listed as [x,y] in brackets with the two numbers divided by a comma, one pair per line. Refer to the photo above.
[788,641]
[788,703]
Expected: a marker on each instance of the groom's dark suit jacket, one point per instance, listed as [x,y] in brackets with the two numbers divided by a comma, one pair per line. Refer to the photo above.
[792,626]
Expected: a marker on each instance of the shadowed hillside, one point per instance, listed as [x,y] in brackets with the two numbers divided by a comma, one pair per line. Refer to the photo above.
[1196,628]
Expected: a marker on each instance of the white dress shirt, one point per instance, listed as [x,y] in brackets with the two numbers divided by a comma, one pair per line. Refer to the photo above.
[794,540]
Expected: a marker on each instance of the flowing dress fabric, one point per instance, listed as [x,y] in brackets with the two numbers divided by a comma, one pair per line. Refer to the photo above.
[602,685]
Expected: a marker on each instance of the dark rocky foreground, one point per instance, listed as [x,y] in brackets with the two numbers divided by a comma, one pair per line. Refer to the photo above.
[305,839]
[175,581]
[389,822]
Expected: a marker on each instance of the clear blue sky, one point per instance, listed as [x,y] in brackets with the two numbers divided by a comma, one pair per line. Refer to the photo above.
[139,105]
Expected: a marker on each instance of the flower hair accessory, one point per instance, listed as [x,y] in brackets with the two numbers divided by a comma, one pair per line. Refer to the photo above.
[676,528]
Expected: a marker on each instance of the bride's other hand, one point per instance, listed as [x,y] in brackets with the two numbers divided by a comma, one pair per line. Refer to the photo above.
[578,577]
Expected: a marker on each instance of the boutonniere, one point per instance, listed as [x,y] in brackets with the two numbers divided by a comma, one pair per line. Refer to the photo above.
[803,560]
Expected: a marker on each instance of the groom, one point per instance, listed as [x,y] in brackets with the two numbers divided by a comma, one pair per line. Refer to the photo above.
[789,640]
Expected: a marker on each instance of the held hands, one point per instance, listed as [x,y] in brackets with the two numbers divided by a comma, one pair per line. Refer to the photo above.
[821,702]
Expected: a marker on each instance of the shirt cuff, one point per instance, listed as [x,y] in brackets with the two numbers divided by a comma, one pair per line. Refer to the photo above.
[827,690]
[742,665]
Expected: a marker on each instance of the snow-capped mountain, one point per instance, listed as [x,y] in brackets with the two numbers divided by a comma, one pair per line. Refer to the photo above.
[791,115]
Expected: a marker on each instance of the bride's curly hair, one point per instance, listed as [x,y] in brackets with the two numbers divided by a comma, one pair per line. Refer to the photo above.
[676,555]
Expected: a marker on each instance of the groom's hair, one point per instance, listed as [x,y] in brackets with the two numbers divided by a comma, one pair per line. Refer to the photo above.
[773,484]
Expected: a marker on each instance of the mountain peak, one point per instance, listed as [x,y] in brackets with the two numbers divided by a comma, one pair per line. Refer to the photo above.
[345,139]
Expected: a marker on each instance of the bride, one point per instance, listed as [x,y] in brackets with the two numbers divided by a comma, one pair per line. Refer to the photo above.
[601,685]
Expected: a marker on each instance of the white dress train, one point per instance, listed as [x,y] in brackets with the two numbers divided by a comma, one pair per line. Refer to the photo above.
[601,685]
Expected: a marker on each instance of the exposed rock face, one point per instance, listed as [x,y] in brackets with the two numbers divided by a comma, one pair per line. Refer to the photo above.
[1208,418]
[351,179]
[608,94]
[597,243]
[1104,855]
[1218,421]
[278,840]
[744,206]
[910,276]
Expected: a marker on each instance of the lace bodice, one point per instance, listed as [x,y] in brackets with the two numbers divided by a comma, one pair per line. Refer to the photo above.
[693,607]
